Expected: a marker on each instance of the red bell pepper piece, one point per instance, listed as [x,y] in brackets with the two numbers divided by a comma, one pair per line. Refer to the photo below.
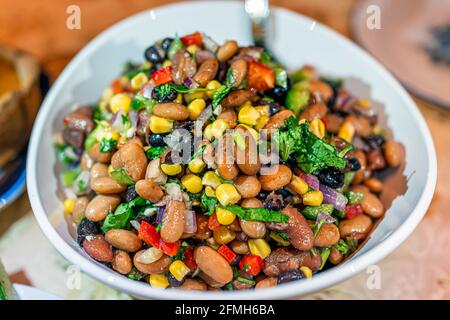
[227,253]
[213,222]
[353,210]
[150,235]
[116,86]
[251,264]
[189,260]
[260,77]
[194,38]
[162,76]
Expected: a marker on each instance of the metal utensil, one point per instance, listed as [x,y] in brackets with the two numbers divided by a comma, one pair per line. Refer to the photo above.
[259,12]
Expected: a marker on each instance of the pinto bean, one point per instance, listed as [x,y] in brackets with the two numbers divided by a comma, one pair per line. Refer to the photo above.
[173,221]
[171,110]
[122,262]
[299,232]
[336,256]
[276,178]
[393,153]
[322,89]
[183,66]
[149,190]
[239,247]
[247,159]
[333,122]
[236,98]
[375,160]
[98,170]
[98,249]
[225,158]
[100,206]
[357,227]
[248,186]
[213,265]
[107,185]
[253,229]
[203,232]
[192,284]
[227,50]
[280,260]
[251,203]
[361,125]
[374,185]
[98,156]
[206,72]
[314,111]
[277,120]
[359,175]
[239,71]
[131,157]
[372,206]
[229,116]
[123,239]
[327,235]
[267,283]
[155,173]
[79,208]
[159,266]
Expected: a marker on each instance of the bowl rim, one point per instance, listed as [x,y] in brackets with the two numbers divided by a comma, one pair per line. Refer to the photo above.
[327,278]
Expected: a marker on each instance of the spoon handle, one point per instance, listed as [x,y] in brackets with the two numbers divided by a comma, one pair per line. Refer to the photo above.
[258,11]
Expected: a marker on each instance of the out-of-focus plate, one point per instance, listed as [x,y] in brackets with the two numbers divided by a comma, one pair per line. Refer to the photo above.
[29,293]
[404,42]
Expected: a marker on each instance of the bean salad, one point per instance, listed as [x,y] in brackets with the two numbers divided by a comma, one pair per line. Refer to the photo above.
[210,167]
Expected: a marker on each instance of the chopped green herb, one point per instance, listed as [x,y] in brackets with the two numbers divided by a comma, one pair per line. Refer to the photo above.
[258,214]
[198,153]
[66,154]
[100,114]
[325,253]
[219,94]
[135,274]
[119,219]
[354,197]
[121,176]
[140,102]
[318,226]
[342,247]
[334,83]
[280,238]
[107,145]
[69,176]
[208,204]
[174,47]
[352,244]
[245,280]
[154,152]
[311,212]
[81,185]
[297,97]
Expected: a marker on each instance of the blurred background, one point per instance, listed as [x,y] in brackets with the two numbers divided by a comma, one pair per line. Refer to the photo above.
[35,46]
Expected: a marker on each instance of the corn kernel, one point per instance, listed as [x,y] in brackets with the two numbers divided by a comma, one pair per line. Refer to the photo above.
[110,169]
[120,101]
[225,217]
[313,198]
[107,94]
[178,269]
[262,121]
[139,80]
[346,131]
[160,125]
[171,169]
[298,185]
[192,183]
[318,128]
[227,194]
[195,108]
[179,99]
[150,255]
[259,247]
[68,205]
[218,127]
[365,103]
[192,49]
[248,115]
[107,133]
[223,235]
[210,178]
[210,192]
[188,97]
[196,165]
[159,280]
[263,110]
[247,103]
[306,271]
[212,86]
[166,63]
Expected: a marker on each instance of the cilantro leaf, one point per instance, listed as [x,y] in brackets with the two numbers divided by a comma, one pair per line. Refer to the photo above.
[208,204]
[119,219]
[154,152]
[140,102]
[258,214]
[107,145]
[121,176]
[219,95]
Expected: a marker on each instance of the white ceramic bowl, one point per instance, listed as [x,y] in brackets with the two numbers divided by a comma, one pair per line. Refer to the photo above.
[297,41]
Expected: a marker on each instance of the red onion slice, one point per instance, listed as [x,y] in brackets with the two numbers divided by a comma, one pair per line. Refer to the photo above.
[160,214]
[331,196]
[311,180]
[190,221]
[325,217]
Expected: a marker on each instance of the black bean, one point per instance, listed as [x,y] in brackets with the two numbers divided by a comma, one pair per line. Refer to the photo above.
[165,44]
[154,54]
[174,282]
[353,164]
[262,195]
[374,141]
[331,177]
[165,96]
[130,194]
[290,275]
[156,140]
[278,94]
[87,228]
[274,202]
[283,192]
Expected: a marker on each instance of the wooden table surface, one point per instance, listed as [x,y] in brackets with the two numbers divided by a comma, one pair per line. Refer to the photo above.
[39,27]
